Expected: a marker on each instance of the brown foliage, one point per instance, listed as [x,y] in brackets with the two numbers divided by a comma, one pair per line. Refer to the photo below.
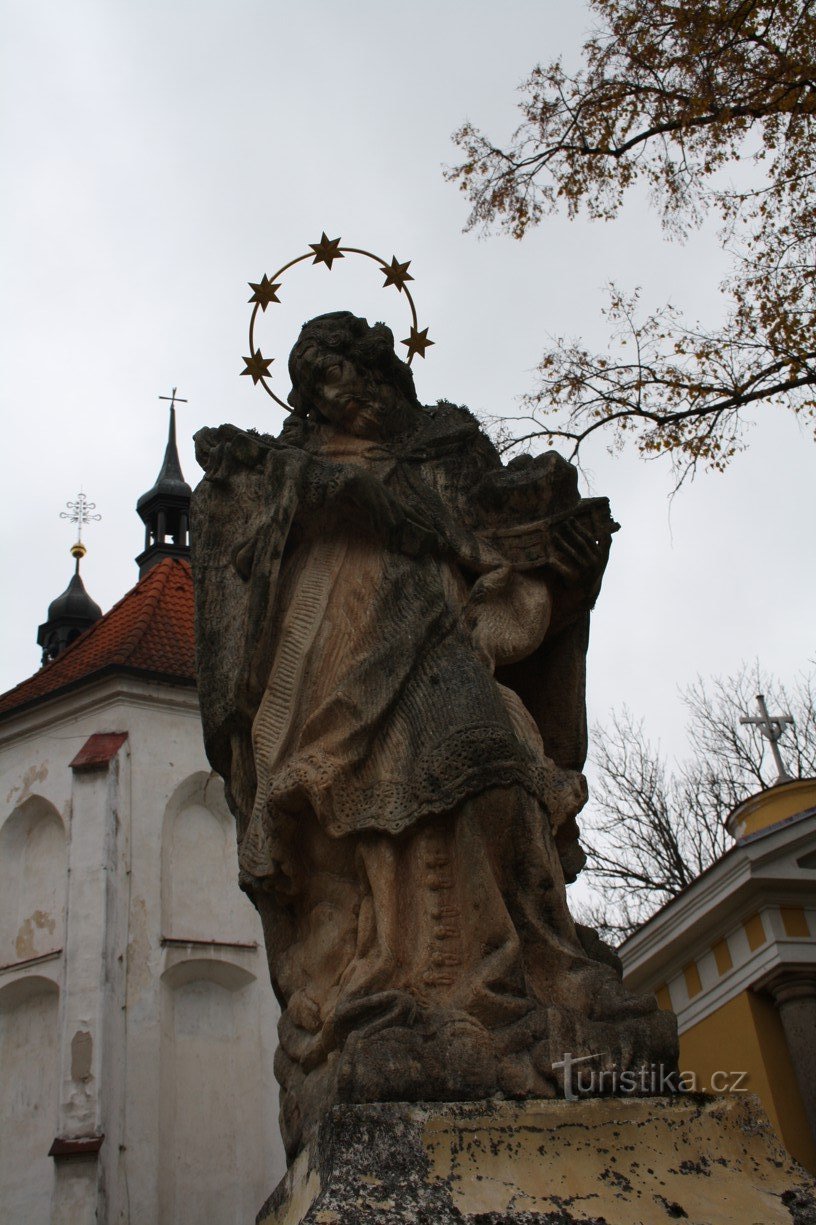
[671,94]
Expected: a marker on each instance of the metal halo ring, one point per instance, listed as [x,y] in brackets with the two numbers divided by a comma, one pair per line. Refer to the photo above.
[326,252]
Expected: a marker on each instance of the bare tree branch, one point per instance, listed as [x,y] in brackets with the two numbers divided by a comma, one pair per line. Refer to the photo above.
[649,831]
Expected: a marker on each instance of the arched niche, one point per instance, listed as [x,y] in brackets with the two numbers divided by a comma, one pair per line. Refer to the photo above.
[215,1111]
[29,1065]
[201,900]
[33,881]
[207,969]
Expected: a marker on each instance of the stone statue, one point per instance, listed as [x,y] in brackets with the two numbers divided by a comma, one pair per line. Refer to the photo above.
[392,629]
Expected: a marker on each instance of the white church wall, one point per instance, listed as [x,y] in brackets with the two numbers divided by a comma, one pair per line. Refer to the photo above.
[211,1120]
[93,1024]
[29,1046]
[152,857]
[33,879]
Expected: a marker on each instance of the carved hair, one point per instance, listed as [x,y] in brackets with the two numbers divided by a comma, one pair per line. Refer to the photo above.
[371,349]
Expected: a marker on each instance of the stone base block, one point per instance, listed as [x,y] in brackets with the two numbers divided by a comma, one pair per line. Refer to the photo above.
[602,1161]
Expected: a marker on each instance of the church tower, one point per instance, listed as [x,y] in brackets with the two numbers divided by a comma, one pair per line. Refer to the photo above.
[165,509]
[74,610]
[68,615]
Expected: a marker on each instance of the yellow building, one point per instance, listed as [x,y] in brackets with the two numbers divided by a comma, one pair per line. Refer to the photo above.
[734,956]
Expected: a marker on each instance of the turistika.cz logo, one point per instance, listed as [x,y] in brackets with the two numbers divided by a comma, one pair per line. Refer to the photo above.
[584,1077]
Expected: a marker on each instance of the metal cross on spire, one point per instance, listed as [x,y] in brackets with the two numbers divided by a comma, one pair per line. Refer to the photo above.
[772,728]
[173,398]
[80,513]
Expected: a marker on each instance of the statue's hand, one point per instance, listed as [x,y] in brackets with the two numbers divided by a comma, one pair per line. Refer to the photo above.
[403,531]
[414,539]
[347,493]
[369,496]
[580,557]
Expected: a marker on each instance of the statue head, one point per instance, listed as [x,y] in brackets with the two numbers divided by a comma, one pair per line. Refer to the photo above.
[346,373]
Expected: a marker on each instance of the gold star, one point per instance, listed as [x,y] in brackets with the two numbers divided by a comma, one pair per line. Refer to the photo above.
[417,342]
[257,365]
[264,292]
[326,251]
[396,273]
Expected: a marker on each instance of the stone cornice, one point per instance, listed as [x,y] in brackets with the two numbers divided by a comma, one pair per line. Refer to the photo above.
[96,697]
[738,885]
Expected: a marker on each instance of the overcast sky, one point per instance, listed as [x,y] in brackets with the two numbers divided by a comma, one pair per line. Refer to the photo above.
[157,156]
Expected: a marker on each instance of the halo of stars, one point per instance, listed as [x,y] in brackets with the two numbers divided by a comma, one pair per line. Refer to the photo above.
[326,251]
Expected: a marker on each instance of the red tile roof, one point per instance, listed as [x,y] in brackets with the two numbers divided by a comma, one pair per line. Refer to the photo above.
[149,632]
[98,750]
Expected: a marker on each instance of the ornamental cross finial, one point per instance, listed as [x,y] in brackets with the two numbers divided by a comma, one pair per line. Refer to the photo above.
[80,513]
[772,728]
[173,398]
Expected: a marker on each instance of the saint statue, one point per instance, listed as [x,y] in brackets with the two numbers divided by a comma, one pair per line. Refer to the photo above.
[392,629]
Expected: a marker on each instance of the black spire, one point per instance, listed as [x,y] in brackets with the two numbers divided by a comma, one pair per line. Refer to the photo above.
[165,510]
[68,615]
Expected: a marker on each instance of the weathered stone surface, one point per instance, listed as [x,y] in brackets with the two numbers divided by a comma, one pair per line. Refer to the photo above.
[604,1161]
[392,628]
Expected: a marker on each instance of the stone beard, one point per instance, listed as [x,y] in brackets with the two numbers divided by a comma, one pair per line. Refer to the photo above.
[392,631]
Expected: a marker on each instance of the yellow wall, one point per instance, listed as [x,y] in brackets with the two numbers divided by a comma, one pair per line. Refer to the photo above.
[795,922]
[722,957]
[755,932]
[745,1035]
[775,804]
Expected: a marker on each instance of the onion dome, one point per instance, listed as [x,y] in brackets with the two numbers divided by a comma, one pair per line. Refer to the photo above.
[165,509]
[68,615]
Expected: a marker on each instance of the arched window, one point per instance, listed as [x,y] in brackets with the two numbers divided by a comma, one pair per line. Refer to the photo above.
[29,1055]
[33,882]
[217,1112]
[200,896]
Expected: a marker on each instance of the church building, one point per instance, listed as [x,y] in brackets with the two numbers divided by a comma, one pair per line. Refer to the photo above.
[137,1021]
[734,955]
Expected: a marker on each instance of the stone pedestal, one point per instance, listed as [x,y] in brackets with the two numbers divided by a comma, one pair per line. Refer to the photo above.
[612,1161]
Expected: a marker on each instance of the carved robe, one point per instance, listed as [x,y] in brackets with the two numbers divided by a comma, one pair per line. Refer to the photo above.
[399,813]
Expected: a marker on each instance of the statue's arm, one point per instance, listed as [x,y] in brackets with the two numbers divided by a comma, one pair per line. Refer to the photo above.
[345,492]
[225,448]
[241,513]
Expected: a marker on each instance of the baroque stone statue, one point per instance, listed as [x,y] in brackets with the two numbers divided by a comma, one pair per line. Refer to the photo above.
[392,630]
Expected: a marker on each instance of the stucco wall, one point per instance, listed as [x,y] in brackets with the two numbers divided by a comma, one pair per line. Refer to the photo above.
[134,994]
[747,1034]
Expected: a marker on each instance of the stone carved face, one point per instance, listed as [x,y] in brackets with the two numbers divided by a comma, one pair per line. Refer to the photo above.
[338,386]
[346,373]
